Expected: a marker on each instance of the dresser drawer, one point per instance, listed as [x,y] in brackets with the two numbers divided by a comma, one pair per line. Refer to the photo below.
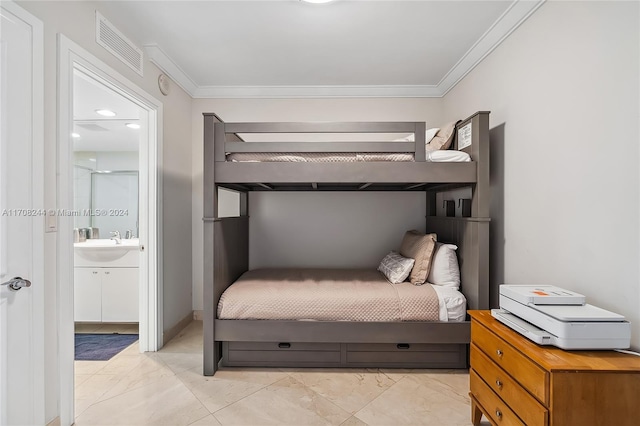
[515,396]
[517,365]
[494,407]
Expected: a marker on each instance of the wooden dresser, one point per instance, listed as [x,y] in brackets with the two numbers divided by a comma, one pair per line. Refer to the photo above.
[516,382]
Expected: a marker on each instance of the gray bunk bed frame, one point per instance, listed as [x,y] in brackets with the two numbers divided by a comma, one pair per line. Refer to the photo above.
[273,343]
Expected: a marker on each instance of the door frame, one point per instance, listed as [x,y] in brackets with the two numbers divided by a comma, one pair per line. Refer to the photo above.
[71,57]
[36,380]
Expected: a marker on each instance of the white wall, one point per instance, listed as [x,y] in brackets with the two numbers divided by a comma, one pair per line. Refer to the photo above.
[564,95]
[342,109]
[76,20]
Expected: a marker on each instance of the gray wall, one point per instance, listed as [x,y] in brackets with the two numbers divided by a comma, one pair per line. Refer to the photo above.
[76,20]
[564,94]
[330,229]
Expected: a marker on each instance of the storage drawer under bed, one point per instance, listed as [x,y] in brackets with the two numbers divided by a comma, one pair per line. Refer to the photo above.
[406,355]
[281,354]
[297,354]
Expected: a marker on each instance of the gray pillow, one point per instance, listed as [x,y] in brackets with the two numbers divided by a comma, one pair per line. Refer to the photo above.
[396,267]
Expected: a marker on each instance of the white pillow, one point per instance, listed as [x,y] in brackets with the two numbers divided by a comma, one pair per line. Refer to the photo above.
[448,155]
[444,269]
[396,267]
[428,135]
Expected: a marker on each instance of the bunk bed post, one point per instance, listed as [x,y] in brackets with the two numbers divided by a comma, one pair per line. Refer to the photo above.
[419,137]
[480,153]
[244,203]
[431,203]
[211,353]
[470,234]
[480,203]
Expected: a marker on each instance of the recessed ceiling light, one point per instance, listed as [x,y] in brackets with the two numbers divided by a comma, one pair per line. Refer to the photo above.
[133,125]
[106,112]
[75,135]
[317,1]
[92,159]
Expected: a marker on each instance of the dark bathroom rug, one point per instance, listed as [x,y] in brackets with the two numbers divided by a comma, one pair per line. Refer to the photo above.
[101,347]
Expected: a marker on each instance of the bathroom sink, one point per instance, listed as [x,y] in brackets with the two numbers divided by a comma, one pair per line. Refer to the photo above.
[103,250]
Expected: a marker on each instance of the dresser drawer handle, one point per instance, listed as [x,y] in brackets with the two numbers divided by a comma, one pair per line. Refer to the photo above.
[499,353]
[284,345]
[499,414]
[498,383]
[403,346]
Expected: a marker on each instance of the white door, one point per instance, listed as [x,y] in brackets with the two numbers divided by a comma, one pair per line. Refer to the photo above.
[21,219]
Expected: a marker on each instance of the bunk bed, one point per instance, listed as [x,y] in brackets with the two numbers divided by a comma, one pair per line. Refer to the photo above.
[296,343]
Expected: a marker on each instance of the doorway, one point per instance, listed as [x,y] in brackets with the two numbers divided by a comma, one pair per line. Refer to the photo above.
[102,198]
[107,133]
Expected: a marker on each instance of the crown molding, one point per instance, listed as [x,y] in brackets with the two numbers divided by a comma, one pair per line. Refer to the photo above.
[170,68]
[266,92]
[508,22]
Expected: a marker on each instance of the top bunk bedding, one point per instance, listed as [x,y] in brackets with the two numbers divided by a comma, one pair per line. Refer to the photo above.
[352,157]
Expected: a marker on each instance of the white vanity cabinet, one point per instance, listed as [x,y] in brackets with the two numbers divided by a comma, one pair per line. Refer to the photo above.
[106,294]
[120,295]
[106,290]
[87,285]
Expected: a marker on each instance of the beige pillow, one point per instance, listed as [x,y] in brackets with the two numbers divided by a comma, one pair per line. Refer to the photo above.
[420,247]
[444,138]
[396,267]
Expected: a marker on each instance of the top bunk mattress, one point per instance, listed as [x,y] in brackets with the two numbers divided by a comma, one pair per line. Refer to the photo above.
[336,295]
[346,157]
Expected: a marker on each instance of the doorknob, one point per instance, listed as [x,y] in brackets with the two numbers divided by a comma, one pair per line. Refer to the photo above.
[17,283]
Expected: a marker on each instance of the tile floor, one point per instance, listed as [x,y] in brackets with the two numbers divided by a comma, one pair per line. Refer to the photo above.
[168,388]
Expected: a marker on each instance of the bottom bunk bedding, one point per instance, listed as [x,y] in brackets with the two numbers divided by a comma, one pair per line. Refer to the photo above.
[336,295]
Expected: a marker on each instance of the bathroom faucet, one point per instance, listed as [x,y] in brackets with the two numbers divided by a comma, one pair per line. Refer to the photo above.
[116,237]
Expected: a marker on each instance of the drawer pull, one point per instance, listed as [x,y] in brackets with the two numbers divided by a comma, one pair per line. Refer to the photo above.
[284,345]
[499,414]
[499,383]
[499,353]
[403,346]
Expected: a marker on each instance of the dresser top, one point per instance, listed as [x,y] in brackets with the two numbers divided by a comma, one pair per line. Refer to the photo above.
[556,359]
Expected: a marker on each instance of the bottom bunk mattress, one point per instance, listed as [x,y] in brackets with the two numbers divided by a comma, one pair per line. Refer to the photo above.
[336,295]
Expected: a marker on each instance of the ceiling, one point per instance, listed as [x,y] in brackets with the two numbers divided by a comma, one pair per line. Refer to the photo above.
[95,132]
[289,48]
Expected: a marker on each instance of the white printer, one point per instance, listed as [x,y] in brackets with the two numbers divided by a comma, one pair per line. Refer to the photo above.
[550,315]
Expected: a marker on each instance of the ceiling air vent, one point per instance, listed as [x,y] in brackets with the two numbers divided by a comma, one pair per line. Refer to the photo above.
[92,126]
[115,42]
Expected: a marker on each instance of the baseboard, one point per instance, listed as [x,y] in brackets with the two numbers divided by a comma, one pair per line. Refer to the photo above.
[173,331]
[54,422]
[197,315]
